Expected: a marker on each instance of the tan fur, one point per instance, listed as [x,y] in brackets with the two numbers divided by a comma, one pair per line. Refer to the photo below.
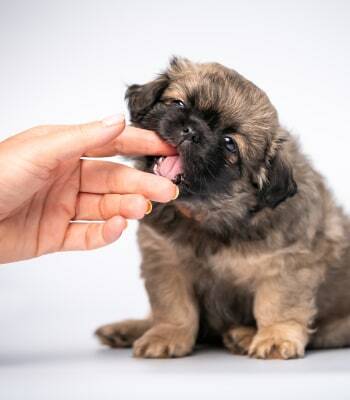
[285,340]
[190,213]
[282,283]
[175,316]
[239,339]
[123,334]
[165,340]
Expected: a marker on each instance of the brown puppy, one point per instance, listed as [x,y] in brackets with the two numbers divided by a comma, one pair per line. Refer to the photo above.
[254,250]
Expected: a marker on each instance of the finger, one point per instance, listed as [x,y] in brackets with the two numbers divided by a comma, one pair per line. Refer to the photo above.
[88,236]
[134,141]
[102,177]
[73,141]
[102,207]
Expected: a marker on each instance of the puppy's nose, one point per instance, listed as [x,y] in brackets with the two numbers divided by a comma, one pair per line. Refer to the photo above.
[189,133]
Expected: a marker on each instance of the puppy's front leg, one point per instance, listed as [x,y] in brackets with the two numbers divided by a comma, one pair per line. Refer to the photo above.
[174,310]
[284,310]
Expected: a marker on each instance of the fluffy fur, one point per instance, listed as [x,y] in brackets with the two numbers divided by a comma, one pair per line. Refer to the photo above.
[254,252]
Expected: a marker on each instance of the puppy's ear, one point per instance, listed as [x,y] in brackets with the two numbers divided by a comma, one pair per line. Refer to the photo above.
[279,183]
[141,98]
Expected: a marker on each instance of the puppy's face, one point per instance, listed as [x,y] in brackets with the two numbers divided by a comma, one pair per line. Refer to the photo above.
[224,128]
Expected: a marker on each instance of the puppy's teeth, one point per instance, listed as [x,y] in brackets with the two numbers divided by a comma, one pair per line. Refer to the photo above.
[155,169]
[157,165]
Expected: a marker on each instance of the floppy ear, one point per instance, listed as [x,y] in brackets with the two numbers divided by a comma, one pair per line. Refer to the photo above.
[141,98]
[279,184]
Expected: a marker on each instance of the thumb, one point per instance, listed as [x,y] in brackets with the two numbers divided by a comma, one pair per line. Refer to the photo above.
[75,140]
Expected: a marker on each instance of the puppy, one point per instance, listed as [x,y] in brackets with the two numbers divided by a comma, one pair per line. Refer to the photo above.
[254,252]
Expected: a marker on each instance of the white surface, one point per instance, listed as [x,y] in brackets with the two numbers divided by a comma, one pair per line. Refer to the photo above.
[65,62]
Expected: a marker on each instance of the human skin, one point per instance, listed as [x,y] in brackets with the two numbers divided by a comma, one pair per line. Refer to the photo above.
[46,187]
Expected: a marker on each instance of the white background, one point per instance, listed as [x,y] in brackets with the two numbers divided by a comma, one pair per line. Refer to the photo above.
[69,61]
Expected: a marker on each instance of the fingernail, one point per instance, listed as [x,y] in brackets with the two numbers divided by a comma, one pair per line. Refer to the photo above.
[149,207]
[113,120]
[177,193]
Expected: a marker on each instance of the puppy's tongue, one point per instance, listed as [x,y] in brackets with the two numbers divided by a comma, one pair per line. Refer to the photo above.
[169,167]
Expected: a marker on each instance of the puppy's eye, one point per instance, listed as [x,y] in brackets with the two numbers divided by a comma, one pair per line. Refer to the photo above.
[230,144]
[178,104]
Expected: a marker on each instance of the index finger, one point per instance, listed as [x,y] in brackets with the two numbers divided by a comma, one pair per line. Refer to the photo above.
[134,142]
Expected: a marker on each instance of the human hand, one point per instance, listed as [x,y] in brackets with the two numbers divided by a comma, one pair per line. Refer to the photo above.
[45,187]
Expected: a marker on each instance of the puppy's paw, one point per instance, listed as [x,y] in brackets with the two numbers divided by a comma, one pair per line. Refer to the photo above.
[239,339]
[122,334]
[278,342]
[164,342]
[273,348]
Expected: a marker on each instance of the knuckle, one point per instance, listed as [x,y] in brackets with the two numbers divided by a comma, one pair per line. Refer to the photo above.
[118,147]
[79,130]
[103,207]
[89,237]
[109,205]
[110,180]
